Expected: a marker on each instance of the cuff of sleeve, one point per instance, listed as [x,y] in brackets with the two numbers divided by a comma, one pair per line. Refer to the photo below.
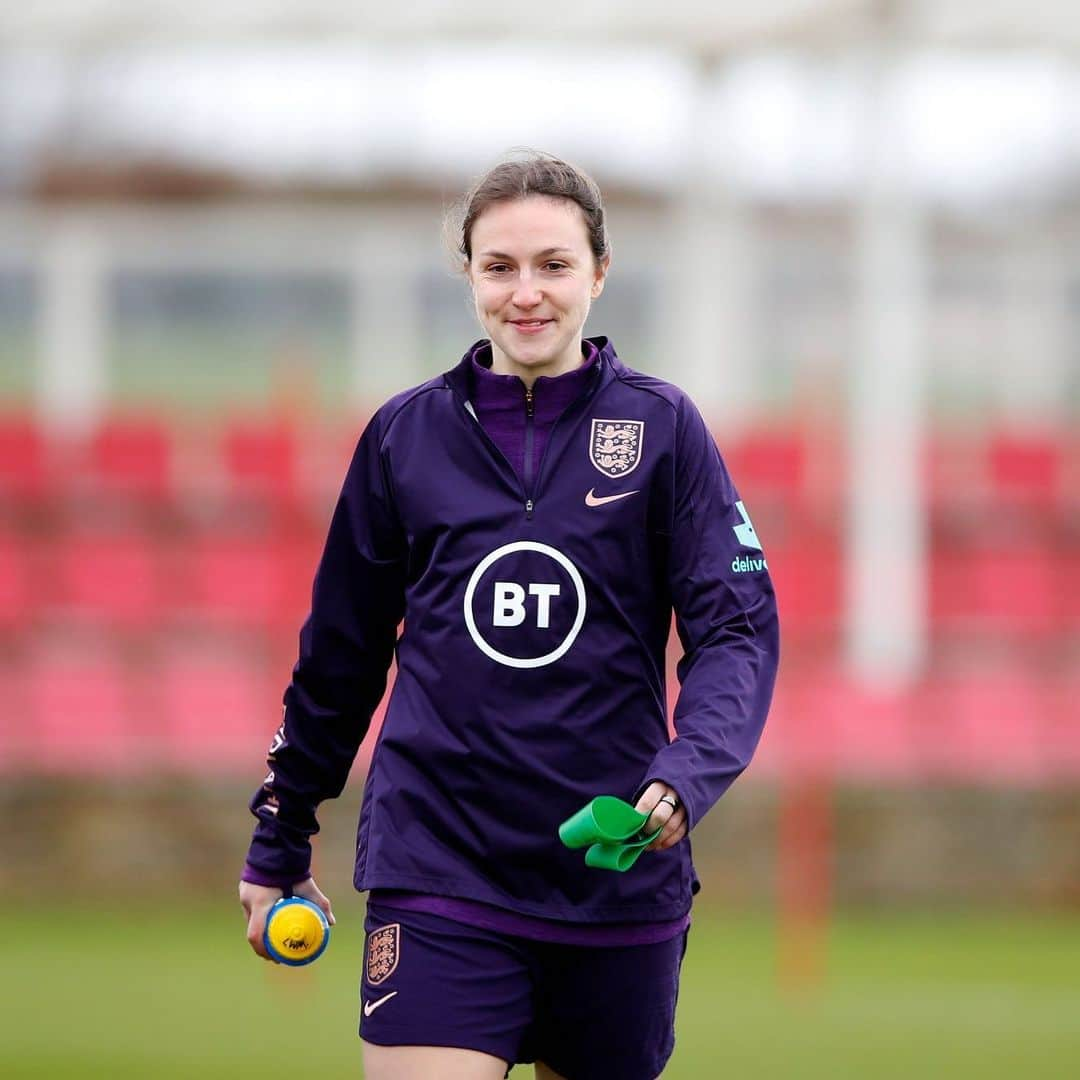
[255,876]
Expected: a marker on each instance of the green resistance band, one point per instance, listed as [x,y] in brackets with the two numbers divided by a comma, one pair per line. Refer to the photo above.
[611,829]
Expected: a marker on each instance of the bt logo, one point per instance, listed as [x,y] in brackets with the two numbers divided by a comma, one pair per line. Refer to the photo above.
[510,603]
[527,611]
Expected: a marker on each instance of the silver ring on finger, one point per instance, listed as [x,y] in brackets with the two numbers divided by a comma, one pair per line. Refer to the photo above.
[670,800]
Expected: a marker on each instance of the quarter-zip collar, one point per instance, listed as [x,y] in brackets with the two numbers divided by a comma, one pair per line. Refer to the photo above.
[501,397]
[520,424]
[607,364]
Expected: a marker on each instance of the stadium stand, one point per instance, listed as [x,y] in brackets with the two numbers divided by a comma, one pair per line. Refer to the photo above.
[158,610]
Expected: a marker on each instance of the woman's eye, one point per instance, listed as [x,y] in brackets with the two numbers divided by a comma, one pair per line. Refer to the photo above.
[555,266]
[496,268]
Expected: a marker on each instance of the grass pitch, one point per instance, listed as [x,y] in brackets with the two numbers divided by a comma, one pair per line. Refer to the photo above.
[175,993]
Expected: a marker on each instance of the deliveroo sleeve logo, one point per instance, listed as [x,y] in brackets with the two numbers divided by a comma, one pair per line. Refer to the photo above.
[746,536]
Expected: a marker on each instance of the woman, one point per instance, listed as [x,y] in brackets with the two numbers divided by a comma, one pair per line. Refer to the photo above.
[534,515]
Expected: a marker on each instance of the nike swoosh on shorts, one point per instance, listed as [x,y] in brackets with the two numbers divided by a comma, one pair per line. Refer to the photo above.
[599,500]
[371,1006]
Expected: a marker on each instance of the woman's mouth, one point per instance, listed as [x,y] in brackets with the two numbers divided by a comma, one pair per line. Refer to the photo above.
[530,326]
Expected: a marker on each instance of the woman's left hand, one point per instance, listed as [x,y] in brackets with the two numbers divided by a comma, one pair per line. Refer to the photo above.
[663,813]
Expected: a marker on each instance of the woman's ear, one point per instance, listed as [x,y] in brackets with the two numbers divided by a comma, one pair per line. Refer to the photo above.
[600,276]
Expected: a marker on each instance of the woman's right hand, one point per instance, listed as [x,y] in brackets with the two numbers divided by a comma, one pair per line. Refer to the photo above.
[257,900]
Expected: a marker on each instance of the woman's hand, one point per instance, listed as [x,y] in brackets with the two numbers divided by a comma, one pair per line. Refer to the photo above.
[257,900]
[673,818]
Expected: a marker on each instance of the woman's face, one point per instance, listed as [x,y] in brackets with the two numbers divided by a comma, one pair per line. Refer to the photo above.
[534,277]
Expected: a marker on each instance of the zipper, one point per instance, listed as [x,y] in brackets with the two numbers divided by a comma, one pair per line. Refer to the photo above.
[530,435]
[499,455]
[582,401]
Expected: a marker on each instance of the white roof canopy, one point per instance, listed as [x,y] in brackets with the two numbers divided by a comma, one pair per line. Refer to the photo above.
[704,27]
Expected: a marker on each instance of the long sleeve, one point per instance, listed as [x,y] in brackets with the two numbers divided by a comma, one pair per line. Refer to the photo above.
[725,612]
[346,646]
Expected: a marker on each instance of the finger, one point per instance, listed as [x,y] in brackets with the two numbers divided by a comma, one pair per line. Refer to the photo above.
[661,814]
[667,840]
[675,823]
[256,926]
[310,891]
[650,804]
[650,797]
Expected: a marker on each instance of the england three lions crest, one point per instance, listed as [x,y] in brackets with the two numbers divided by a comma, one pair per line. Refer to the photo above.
[383,951]
[615,446]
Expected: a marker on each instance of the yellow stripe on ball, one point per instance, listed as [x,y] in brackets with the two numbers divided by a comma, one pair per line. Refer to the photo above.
[296,931]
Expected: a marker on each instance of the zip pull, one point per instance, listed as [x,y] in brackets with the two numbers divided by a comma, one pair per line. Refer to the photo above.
[528,507]
[528,401]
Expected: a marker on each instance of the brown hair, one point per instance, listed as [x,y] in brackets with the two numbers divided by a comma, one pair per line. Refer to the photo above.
[533,173]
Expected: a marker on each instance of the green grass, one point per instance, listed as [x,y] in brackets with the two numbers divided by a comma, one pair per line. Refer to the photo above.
[170,993]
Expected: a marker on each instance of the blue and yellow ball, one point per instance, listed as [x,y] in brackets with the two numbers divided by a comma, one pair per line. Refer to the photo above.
[296,931]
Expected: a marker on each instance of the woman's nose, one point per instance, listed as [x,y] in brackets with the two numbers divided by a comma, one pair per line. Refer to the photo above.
[526,292]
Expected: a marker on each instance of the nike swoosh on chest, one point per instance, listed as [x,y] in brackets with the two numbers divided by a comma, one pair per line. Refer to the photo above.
[592,499]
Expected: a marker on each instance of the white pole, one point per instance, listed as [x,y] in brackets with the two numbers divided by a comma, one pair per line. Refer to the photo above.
[388,324]
[71,378]
[886,542]
[706,329]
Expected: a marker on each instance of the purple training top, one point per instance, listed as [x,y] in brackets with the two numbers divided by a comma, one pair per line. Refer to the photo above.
[536,607]
[501,407]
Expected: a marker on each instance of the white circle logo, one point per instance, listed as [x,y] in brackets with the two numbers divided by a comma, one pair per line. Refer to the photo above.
[509,605]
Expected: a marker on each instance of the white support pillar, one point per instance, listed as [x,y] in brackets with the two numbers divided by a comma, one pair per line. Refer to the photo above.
[71,378]
[708,315]
[886,542]
[388,324]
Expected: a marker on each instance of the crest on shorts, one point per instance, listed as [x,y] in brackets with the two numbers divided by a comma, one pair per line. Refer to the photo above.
[615,446]
[383,951]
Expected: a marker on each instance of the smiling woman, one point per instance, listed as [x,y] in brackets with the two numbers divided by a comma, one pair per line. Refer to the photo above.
[533,298]
[536,255]
[536,597]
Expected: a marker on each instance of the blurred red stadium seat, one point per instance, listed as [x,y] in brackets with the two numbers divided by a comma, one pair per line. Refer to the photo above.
[217,712]
[261,461]
[23,459]
[800,734]
[954,476]
[326,459]
[17,599]
[128,458]
[1016,587]
[260,581]
[808,578]
[822,723]
[79,714]
[1067,582]
[1025,469]
[109,578]
[873,731]
[768,465]
[1006,725]
[986,726]
[1002,590]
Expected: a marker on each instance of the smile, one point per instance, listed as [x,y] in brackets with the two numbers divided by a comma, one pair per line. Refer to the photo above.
[530,326]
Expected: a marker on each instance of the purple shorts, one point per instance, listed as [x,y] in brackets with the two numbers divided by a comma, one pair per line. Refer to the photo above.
[588,1012]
